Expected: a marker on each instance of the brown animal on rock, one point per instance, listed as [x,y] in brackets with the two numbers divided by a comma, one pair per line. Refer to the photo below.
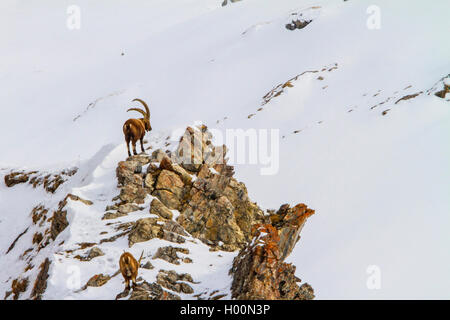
[134,129]
[129,268]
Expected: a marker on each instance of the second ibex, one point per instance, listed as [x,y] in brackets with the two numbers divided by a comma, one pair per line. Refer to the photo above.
[134,129]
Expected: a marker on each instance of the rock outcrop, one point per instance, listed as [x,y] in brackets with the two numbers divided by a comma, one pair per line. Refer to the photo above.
[49,181]
[195,194]
[259,271]
[170,255]
[297,24]
[41,281]
[148,228]
[174,281]
[150,291]
[183,194]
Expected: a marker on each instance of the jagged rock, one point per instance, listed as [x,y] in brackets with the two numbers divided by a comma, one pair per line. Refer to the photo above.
[169,254]
[94,252]
[50,182]
[187,260]
[15,240]
[112,215]
[150,291]
[39,214]
[77,198]
[134,192]
[128,207]
[218,209]
[160,209]
[442,93]
[297,24]
[144,230]
[18,286]
[170,181]
[158,155]
[215,208]
[171,280]
[149,228]
[149,182]
[41,281]
[59,221]
[98,280]
[148,265]
[128,172]
[409,96]
[168,199]
[259,270]
[141,160]
[153,169]
[37,238]
[290,225]
[166,164]
[15,178]
[112,207]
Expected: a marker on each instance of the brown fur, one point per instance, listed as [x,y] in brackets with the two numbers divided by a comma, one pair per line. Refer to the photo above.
[135,129]
[129,268]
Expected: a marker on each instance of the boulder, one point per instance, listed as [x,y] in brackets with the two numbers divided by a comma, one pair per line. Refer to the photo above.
[169,254]
[158,208]
[94,252]
[148,265]
[170,200]
[16,178]
[112,215]
[149,181]
[98,280]
[170,181]
[133,193]
[174,281]
[128,207]
[59,220]
[148,228]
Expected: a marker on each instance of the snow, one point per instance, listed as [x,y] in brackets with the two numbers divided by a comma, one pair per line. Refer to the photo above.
[379,183]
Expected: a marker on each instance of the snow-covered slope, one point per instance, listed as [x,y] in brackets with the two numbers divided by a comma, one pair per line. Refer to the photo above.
[379,181]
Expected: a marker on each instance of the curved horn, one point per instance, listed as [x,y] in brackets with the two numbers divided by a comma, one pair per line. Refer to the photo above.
[145,106]
[138,110]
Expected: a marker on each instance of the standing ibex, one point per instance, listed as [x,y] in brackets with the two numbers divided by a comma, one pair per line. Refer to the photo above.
[134,129]
[129,268]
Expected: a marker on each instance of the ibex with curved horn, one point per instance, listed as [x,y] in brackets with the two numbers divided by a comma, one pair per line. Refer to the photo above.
[134,129]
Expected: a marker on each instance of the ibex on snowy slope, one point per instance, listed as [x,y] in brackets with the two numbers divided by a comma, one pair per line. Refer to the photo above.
[134,129]
[129,268]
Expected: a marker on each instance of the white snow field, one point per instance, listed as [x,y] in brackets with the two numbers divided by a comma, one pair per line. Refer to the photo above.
[375,169]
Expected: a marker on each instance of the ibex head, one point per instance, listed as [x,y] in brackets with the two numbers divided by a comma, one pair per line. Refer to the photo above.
[146,114]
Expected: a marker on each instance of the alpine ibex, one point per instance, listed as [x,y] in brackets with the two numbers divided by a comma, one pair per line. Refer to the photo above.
[134,129]
[129,268]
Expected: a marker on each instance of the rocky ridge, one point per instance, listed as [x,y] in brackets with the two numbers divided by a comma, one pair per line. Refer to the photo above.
[215,208]
[185,194]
